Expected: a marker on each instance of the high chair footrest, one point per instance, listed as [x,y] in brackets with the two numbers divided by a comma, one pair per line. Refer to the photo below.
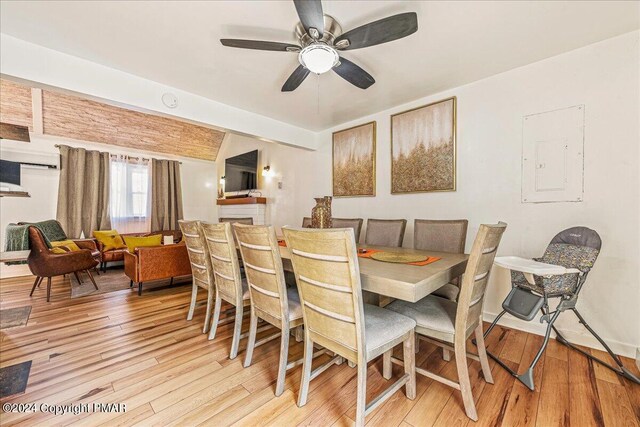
[522,304]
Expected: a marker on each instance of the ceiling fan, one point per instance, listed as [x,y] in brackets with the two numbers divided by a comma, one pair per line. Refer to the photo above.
[320,39]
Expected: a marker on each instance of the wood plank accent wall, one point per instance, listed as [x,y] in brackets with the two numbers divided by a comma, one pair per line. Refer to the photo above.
[15,104]
[73,117]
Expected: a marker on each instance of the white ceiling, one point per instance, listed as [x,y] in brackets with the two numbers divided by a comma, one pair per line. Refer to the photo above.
[176,43]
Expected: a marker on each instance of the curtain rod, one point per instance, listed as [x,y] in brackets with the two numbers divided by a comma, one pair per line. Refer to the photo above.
[116,155]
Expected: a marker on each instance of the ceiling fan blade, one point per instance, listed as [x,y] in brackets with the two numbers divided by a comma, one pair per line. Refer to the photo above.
[295,79]
[311,15]
[260,45]
[377,32]
[353,74]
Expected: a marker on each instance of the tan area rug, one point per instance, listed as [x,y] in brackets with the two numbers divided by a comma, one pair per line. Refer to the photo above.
[12,317]
[115,280]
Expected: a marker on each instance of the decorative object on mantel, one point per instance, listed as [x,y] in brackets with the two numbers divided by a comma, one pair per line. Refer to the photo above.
[423,148]
[321,213]
[354,161]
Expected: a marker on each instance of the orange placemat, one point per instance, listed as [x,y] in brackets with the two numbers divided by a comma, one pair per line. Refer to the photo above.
[370,252]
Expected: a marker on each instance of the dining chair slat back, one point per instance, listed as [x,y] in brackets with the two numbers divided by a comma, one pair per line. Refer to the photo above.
[201,268]
[224,259]
[385,232]
[476,276]
[263,268]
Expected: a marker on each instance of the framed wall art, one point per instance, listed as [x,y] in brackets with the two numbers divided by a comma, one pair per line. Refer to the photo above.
[423,148]
[354,161]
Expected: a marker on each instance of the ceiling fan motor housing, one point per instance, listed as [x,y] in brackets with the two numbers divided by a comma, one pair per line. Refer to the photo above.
[332,30]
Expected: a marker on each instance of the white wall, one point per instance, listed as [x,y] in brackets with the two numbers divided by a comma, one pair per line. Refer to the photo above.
[198,188]
[605,78]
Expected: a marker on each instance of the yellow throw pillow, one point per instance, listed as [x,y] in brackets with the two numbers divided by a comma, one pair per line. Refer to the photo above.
[134,242]
[55,250]
[110,239]
[68,243]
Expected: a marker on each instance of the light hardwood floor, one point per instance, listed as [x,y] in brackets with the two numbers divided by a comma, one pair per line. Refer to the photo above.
[142,351]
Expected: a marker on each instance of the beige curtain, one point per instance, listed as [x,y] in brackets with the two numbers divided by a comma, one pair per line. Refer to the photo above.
[166,195]
[83,193]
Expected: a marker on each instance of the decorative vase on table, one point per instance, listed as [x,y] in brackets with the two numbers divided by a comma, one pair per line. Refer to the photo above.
[321,213]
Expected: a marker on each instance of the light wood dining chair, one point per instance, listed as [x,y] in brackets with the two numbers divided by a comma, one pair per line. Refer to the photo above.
[354,223]
[441,236]
[271,300]
[449,324]
[328,278]
[230,286]
[385,232]
[201,268]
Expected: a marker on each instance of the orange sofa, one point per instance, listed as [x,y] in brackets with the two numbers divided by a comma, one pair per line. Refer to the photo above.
[155,263]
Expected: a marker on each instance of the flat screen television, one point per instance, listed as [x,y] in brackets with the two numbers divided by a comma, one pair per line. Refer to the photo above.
[241,172]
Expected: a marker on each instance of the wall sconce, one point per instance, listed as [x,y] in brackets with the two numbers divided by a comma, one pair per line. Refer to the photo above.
[222,178]
[266,171]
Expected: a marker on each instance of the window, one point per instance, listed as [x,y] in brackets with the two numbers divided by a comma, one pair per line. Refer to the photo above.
[129,195]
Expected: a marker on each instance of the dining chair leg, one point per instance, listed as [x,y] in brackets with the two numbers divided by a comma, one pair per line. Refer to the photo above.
[299,333]
[40,282]
[36,283]
[92,279]
[75,273]
[482,354]
[194,297]
[131,283]
[284,355]
[306,371]
[139,288]
[417,343]
[207,315]
[409,355]
[387,369]
[216,317]
[253,328]
[237,331]
[48,288]
[446,354]
[460,353]
[361,392]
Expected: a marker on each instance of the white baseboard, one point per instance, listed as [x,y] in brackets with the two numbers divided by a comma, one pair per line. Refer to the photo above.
[638,357]
[575,337]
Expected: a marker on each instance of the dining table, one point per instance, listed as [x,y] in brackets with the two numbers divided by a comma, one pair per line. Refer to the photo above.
[401,280]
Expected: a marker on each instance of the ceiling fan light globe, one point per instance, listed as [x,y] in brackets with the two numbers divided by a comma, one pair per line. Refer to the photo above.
[318,58]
